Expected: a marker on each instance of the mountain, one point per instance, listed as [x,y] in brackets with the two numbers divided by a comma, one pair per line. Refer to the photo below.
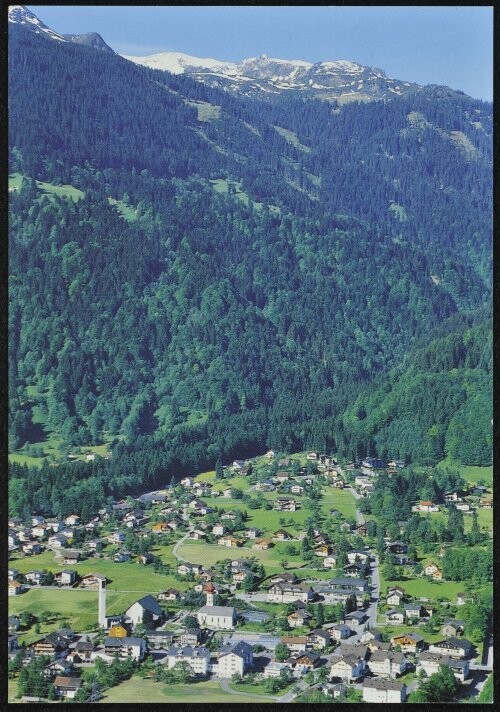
[339,80]
[196,272]
[90,39]
[19,15]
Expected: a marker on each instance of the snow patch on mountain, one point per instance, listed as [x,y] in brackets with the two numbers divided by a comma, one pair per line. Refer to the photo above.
[20,15]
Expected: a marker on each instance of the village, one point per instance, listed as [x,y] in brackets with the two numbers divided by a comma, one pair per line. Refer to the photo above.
[260,581]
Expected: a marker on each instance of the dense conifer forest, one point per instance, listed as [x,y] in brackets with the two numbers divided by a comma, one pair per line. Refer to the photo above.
[211,285]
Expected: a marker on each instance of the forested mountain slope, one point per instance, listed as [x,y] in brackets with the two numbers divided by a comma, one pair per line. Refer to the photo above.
[228,273]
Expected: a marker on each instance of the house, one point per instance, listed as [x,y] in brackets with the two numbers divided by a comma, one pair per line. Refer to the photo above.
[217,617]
[463,598]
[387,663]
[159,639]
[71,557]
[486,503]
[53,643]
[397,547]
[160,528]
[235,658]
[13,574]
[284,577]
[453,647]
[72,521]
[322,550]
[296,643]
[15,588]
[186,568]
[229,516]
[218,529]
[354,570]
[348,667]
[463,507]
[262,544]
[412,611]
[383,691]
[287,593]
[319,639]
[37,519]
[229,541]
[65,578]
[145,611]
[264,485]
[427,506]
[298,619]
[13,623]
[282,476]
[340,631]
[339,584]
[296,489]
[330,561]
[39,531]
[312,456]
[362,529]
[252,533]
[408,642]
[303,662]
[373,463]
[281,535]
[67,687]
[394,596]
[452,628]
[190,636]
[187,482]
[355,620]
[119,630]
[431,662]
[395,616]
[115,538]
[433,570]
[35,577]
[92,580]
[274,669]
[128,647]
[32,547]
[121,556]
[369,635]
[171,594]
[84,652]
[198,658]
[196,534]
[58,541]
[358,555]
[285,504]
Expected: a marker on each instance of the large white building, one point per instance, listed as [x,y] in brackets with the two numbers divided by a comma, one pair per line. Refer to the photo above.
[234,658]
[197,658]
[146,610]
[288,593]
[380,690]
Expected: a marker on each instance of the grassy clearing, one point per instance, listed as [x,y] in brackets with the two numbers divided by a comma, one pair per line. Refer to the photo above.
[292,138]
[471,473]
[127,212]
[78,606]
[62,191]
[390,630]
[422,588]
[128,576]
[138,690]
[206,111]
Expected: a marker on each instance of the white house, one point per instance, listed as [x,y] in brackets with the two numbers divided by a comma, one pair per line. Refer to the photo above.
[288,593]
[127,647]
[383,691]
[387,663]
[235,658]
[348,667]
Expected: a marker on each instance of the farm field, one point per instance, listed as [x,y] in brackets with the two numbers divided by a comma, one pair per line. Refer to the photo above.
[471,473]
[147,691]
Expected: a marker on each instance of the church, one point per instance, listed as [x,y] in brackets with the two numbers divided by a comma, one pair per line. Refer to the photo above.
[216,617]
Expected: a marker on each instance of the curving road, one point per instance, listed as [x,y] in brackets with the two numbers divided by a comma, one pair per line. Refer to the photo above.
[181,541]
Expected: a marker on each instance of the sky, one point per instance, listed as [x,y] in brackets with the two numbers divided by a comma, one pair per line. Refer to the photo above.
[450,45]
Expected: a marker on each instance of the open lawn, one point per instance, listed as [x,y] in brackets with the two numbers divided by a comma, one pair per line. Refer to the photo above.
[128,576]
[206,111]
[423,588]
[127,212]
[292,138]
[147,691]
[390,630]
[209,554]
[78,606]
[340,499]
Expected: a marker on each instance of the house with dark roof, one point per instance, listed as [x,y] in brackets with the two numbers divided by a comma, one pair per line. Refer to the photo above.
[127,647]
[146,610]
[453,647]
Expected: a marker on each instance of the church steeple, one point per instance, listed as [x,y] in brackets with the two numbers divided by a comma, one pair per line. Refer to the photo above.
[210,591]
